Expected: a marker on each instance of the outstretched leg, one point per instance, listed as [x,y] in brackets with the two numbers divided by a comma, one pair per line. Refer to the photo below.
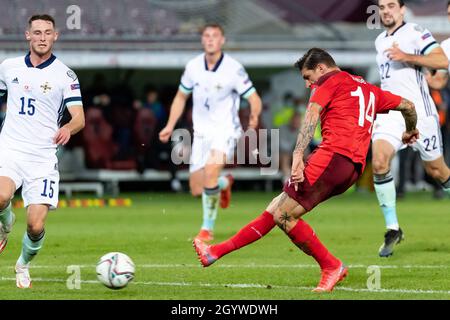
[304,237]
[285,212]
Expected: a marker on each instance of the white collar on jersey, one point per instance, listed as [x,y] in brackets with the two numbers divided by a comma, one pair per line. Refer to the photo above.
[388,35]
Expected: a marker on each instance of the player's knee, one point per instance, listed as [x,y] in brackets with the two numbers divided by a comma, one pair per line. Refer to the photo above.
[435,172]
[5,198]
[277,217]
[211,174]
[35,229]
[283,220]
[380,165]
[196,191]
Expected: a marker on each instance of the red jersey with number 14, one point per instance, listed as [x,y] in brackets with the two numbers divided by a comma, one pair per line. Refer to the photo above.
[349,107]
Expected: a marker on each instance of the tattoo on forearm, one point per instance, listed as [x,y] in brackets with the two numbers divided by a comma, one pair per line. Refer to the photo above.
[307,130]
[409,113]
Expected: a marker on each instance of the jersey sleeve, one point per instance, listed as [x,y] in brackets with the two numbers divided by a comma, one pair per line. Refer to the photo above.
[445,45]
[243,85]
[323,94]
[424,40]
[3,86]
[386,100]
[187,83]
[71,92]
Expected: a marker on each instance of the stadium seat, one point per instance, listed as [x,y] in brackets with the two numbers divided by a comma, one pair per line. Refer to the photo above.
[100,148]
[97,136]
[145,126]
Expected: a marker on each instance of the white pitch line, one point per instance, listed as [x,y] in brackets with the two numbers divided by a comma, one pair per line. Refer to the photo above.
[259,266]
[245,286]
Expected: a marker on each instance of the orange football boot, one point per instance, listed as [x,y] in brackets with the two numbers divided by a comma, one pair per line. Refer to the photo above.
[205,235]
[331,277]
[204,255]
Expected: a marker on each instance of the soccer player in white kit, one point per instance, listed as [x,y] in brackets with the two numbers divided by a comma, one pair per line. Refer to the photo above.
[217,82]
[39,88]
[403,50]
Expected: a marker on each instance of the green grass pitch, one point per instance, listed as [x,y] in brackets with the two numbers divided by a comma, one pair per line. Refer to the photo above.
[156,232]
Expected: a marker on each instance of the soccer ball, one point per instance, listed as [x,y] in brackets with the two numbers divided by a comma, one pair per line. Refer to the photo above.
[115,270]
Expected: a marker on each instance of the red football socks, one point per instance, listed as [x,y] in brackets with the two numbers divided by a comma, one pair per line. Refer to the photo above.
[251,232]
[304,237]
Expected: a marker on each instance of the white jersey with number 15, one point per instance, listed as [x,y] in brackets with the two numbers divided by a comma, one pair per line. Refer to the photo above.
[36,100]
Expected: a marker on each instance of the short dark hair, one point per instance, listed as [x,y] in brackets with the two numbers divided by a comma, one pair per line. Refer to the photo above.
[213,25]
[448,3]
[45,17]
[401,3]
[313,57]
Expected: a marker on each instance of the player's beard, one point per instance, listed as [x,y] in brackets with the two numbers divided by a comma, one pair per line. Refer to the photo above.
[390,24]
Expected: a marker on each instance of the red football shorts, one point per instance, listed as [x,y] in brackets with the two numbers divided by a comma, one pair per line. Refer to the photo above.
[327,174]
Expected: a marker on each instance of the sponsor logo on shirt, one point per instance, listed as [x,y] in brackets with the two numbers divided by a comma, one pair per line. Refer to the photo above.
[357,79]
[426,35]
[15,80]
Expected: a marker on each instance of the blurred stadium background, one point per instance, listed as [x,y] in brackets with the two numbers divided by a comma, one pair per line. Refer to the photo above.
[129,56]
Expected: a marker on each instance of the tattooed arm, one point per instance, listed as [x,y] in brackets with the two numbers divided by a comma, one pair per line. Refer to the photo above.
[408,111]
[304,138]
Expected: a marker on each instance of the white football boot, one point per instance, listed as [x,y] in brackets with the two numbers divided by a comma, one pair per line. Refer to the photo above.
[23,279]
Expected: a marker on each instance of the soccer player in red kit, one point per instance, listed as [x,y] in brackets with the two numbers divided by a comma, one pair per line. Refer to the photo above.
[347,106]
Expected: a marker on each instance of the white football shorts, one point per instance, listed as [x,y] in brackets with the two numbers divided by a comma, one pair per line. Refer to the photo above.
[39,181]
[390,127]
[203,144]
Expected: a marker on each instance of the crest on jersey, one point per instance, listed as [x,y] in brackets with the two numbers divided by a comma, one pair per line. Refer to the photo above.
[72,75]
[419,28]
[46,87]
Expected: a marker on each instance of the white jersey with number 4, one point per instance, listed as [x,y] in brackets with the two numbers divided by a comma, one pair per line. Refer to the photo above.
[405,79]
[216,94]
[36,100]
